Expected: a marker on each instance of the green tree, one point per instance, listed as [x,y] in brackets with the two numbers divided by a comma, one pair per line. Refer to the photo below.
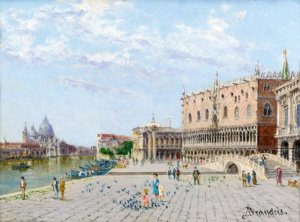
[125,148]
[106,151]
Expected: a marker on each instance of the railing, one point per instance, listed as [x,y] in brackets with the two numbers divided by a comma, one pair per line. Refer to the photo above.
[278,159]
[243,159]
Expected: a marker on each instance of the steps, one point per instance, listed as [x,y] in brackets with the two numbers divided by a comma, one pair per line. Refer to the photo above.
[286,171]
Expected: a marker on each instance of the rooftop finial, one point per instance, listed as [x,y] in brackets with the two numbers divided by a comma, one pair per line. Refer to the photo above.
[153,118]
[285,67]
[257,71]
[183,90]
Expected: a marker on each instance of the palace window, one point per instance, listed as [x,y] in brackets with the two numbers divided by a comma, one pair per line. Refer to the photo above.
[222,96]
[198,115]
[249,111]
[190,117]
[246,95]
[235,99]
[286,116]
[225,112]
[267,86]
[267,110]
[206,114]
[236,112]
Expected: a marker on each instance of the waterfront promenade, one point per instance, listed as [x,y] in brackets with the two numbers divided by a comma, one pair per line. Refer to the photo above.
[112,198]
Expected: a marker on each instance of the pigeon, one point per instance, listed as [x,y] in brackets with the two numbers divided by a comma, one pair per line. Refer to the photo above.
[115,181]
[108,187]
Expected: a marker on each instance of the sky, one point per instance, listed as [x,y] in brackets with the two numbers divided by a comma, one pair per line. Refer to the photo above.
[105,66]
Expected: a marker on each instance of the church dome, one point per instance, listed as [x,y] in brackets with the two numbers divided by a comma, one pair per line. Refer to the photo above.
[46,129]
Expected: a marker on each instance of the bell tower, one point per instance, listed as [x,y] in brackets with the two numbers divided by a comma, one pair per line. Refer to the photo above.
[25,134]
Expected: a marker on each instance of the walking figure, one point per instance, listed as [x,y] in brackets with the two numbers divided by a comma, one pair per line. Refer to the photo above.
[55,187]
[244,178]
[248,177]
[146,198]
[62,188]
[169,173]
[177,174]
[155,184]
[174,173]
[196,175]
[23,187]
[254,180]
[278,176]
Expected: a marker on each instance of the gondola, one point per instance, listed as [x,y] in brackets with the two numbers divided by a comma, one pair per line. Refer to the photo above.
[22,166]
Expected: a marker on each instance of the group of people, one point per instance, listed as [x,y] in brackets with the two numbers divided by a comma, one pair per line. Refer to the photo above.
[58,186]
[246,178]
[157,191]
[175,173]
[135,161]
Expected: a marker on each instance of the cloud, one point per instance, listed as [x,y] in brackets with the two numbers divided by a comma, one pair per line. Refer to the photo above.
[225,7]
[240,15]
[91,87]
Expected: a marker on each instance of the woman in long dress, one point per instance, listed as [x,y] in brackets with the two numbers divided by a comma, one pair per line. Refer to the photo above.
[279,176]
[155,184]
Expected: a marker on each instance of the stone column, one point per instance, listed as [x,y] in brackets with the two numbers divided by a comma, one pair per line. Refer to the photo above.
[290,117]
[149,145]
[278,113]
[291,153]
[154,145]
[279,147]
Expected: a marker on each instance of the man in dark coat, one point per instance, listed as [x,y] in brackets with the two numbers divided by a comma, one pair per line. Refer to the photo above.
[196,175]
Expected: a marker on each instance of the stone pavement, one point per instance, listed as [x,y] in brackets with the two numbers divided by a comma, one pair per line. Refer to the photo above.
[100,199]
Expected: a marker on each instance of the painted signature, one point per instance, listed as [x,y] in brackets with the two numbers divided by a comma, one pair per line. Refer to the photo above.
[263,212]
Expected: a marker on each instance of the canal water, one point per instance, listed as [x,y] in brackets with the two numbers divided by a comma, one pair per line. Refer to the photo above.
[41,173]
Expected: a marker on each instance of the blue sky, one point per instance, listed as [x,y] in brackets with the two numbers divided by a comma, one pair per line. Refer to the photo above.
[106,66]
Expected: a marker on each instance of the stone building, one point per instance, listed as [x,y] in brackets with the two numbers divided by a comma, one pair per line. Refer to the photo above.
[47,140]
[156,142]
[288,120]
[110,140]
[9,150]
[238,117]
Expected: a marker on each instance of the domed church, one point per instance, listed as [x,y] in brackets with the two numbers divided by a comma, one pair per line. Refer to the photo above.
[46,138]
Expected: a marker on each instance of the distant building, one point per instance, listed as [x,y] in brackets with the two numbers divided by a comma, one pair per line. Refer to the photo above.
[43,143]
[20,150]
[110,141]
[288,120]
[85,151]
[156,142]
[46,138]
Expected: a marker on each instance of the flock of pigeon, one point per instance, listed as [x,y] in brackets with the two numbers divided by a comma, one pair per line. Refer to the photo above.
[130,197]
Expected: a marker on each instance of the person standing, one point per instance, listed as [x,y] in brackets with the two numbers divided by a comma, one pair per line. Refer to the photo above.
[174,173]
[55,187]
[23,187]
[169,173]
[248,177]
[196,175]
[244,178]
[155,184]
[278,176]
[62,188]
[177,173]
[254,180]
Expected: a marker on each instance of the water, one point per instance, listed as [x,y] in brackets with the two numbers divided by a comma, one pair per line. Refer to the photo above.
[41,174]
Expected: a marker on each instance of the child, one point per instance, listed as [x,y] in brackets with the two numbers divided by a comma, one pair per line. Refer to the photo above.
[248,179]
[161,192]
[146,198]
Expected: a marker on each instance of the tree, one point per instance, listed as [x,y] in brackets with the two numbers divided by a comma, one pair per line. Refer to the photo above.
[125,148]
[106,151]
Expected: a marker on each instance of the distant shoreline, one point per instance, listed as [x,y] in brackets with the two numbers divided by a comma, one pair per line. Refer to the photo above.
[44,157]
